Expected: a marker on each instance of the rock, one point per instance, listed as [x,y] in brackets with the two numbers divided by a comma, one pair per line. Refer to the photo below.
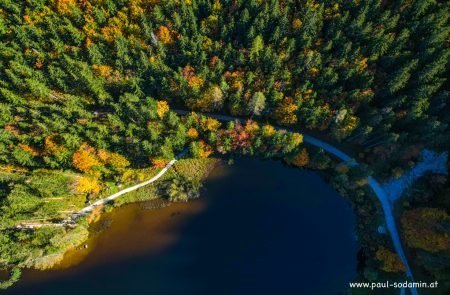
[381,230]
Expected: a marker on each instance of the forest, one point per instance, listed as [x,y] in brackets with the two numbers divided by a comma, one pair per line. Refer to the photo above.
[89,91]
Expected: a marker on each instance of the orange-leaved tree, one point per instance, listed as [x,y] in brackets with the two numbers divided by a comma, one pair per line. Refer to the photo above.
[164,35]
[205,150]
[391,261]
[192,133]
[301,159]
[85,158]
[158,162]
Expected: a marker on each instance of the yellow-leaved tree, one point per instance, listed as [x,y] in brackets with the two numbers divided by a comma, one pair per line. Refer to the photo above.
[85,158]
[162,107]
[87,184]
[285,112]
[65,6]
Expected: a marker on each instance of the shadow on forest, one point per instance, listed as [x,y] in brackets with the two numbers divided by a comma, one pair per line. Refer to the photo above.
[266,229]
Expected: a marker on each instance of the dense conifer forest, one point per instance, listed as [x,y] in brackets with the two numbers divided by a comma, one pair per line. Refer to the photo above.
[88,90]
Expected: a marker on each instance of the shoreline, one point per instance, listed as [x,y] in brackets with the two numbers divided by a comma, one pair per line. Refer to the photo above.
[210,167]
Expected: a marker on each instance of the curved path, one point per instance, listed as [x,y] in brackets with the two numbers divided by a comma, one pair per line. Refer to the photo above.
[374,185]
[124,191]
[103,201]
[73,217]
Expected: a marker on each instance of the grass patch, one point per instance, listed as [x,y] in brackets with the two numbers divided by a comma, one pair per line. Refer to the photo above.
[196,169]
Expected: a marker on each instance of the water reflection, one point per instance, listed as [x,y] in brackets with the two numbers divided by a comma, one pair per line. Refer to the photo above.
[259,228]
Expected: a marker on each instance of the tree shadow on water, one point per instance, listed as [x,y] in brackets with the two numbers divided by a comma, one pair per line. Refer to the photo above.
[267,229]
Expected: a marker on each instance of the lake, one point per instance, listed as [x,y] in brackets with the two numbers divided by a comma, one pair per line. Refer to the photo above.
[259,228]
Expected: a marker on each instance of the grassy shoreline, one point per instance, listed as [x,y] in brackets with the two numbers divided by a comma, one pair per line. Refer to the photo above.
[347,181]
[196,169]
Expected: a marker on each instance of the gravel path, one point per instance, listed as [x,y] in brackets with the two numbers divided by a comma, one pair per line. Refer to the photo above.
[374,185]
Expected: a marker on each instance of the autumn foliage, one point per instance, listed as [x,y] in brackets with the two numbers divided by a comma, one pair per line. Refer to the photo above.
[86,158]
[193,80]
[296,24]
[285,112]
[209,124]
[103,70]
[81,79]
[52,146]
[205,150]
[87,184]
[391,261]
[164,35]
[301,159]
[268,130]
[248,138]
[64,6]
[192,133]
[211,100]
[159,163]
[424,228]
[113,159]
[241,139]
[29,149]
[162,108]
[95,214]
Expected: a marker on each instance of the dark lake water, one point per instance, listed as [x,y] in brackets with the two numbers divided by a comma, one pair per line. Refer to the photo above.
[259,228]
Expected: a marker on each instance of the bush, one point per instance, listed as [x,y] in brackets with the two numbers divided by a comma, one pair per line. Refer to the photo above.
[15,275]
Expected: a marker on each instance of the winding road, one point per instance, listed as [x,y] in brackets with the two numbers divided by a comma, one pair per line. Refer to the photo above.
[374,185]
